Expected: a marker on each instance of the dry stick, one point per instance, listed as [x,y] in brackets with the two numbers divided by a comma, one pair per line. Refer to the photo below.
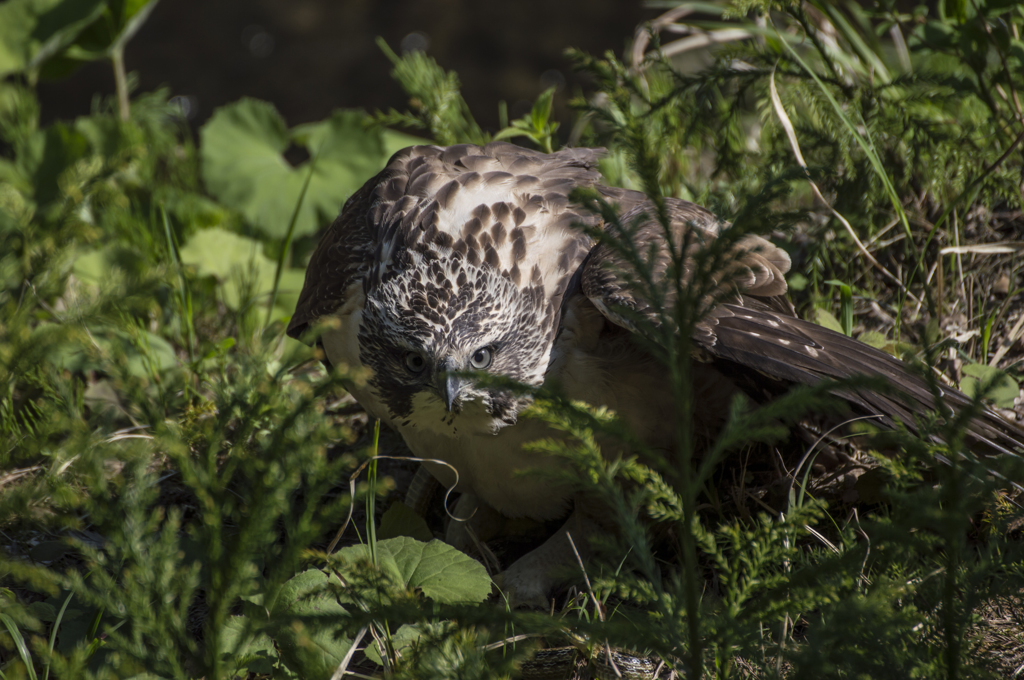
[15,475]
[645,31]
[597,604]
[342,669]
[780,111]
[883,232]
[1010,339]
[586,578]
[704,39]
[969,301]
[510,640]
[810,450]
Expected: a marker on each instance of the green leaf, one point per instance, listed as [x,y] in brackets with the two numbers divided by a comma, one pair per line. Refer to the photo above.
[94,265]
[956,9]
[440,571]
[845,306]
[244,274]
[49,154]
[303,622]
[120,20]
[237,262]
[874,338]
[143,352]
[291,285]
[824,318]
[400,641]
[253,653]
[219,253]
[401,520]
[44,611]
[1002,389]
[434,95]
[541,111]
[132,16]
[32,31]
[19,643]
[244,167]
[796,281]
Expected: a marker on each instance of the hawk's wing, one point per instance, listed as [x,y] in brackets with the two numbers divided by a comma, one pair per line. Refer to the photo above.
[500,204]
[750,325]
[341,259]
[754,266]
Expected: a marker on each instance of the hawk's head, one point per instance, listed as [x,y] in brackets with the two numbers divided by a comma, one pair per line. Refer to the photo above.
[448,316]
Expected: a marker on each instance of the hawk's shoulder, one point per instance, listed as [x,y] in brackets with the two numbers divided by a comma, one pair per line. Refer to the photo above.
[749,265]
[339,260]
[499,205]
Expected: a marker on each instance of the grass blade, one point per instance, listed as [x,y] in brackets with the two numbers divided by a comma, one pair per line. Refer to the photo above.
[56,627]
[794,143]
[868,148]
[184,294]
[19,642]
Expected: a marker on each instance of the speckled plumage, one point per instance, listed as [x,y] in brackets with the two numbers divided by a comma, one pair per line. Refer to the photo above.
[451,256]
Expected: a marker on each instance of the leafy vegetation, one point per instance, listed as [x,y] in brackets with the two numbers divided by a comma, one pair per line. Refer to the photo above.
[170,462]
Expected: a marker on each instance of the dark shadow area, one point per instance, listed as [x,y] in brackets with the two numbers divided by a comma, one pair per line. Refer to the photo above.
[309,57]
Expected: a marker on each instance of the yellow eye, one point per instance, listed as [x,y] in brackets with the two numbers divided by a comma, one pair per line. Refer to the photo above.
[481,358]
[415,362]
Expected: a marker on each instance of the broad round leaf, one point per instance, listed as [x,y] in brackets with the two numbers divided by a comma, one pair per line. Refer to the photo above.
[244,166]
[440,571]
[32,31]
[303,621]
[1003,389]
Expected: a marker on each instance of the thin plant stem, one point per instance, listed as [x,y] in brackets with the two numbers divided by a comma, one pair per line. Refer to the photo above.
[120,83]
[282,256]
[868,148]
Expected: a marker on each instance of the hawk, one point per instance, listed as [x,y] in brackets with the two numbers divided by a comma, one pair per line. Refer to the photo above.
[471,259]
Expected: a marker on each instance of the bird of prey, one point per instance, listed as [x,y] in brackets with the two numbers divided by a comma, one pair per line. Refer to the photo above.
[471,258]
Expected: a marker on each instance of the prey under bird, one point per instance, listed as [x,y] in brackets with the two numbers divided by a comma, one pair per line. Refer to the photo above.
[469,258]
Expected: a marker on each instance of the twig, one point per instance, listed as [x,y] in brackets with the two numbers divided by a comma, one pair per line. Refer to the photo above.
[586,578]
[14,475]
[342,669]
[120,83]
[780,111]
[1010,339]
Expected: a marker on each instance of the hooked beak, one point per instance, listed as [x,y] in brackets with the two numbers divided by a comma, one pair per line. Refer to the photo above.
[449,385]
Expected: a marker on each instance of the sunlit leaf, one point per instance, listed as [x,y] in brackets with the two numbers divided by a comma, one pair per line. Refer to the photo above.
[243,148]
[440,571]
[32,31]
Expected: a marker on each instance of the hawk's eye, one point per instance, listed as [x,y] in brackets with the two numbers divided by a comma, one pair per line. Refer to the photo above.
[415,362]
[481,358]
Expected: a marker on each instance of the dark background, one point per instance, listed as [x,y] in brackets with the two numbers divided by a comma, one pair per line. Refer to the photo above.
[309,57]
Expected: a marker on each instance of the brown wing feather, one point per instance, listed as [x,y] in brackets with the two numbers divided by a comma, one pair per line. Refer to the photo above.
[758,330]
[757,266]
[341,258]
[789,349]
